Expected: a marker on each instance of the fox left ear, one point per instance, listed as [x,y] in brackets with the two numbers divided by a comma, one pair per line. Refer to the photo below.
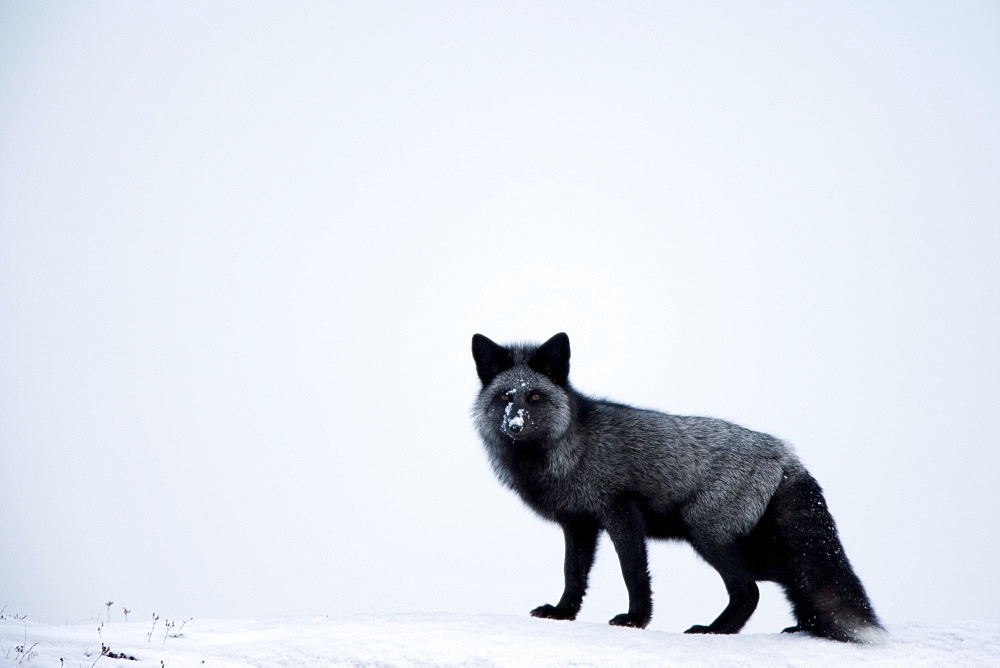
[552,359]
[491,358]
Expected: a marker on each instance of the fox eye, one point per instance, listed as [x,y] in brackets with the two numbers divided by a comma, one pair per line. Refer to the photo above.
[504,397]
[535,397]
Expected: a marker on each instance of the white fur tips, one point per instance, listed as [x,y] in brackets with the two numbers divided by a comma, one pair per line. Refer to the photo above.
[870,635]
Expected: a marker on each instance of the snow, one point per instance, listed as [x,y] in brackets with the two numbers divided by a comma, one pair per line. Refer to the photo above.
[518,420]
[476,640]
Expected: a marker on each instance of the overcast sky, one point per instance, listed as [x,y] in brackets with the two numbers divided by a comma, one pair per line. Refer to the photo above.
[244,246]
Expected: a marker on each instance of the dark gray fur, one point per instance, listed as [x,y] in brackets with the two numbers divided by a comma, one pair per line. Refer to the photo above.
[741,498]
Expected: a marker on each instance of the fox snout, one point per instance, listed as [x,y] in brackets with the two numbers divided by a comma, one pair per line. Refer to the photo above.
[515,420]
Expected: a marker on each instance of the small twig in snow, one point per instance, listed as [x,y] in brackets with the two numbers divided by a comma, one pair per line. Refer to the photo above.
[169,624]
[149,637]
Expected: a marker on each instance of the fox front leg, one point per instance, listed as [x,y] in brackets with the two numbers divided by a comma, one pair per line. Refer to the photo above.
[627,529]
[581,541]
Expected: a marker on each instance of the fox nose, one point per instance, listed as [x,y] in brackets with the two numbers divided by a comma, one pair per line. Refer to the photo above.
[513,422]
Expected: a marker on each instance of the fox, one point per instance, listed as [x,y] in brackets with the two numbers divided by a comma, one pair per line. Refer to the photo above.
[742,499]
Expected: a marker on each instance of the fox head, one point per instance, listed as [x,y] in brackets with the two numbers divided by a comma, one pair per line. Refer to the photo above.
[525,395]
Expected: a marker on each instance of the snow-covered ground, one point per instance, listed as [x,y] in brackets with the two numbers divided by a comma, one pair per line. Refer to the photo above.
[441,639]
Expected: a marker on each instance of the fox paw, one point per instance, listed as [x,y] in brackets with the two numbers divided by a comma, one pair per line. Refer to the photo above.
[698,628]
[552,612]
[628,619]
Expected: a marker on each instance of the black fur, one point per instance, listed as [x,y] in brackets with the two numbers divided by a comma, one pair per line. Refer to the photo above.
[740,498]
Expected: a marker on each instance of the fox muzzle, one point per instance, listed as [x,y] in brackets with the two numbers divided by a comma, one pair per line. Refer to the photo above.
[516,421]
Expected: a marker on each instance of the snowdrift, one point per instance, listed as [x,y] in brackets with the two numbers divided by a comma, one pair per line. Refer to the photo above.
[441,640]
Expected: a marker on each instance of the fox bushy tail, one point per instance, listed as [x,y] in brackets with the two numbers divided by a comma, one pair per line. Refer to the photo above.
[827,597]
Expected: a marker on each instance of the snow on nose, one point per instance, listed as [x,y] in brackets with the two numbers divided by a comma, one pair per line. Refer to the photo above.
[514,423]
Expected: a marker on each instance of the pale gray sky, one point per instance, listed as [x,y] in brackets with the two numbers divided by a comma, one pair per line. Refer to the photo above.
[243,248]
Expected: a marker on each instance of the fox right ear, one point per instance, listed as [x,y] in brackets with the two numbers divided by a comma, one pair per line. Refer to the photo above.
[491,358]
[552,359]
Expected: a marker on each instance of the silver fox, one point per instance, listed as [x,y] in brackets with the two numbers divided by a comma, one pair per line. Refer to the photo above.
[741,498]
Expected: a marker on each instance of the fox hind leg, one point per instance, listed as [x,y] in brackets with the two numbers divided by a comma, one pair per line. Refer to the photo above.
[740,583]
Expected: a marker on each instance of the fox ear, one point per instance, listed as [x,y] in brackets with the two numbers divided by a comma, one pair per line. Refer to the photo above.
[491,358]
[552,359]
